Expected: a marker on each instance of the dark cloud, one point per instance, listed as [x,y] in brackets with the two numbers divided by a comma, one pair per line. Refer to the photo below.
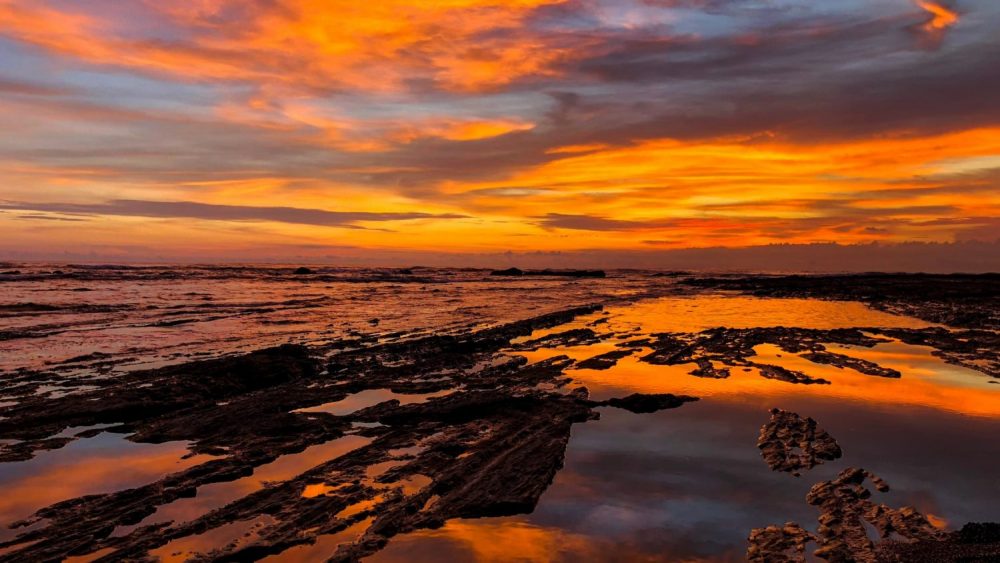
[203,211]
[35,217]
[593,223]
[8,86]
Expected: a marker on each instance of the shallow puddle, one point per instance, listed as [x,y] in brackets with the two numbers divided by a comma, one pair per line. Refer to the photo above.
[215,495]
[694,314]
[235,533]
[682,484]
[322,548]
[102,464]
[688,484]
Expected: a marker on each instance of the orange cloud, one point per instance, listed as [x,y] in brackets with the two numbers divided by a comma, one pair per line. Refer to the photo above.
[728,191]
[310,44]
[942,17]
[541,124]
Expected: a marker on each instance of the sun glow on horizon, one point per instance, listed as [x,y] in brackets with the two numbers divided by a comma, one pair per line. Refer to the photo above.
[493,125]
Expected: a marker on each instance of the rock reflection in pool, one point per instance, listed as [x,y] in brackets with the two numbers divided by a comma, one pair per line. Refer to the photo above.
[689,484]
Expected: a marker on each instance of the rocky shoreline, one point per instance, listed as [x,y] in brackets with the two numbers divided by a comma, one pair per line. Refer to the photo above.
[484,435]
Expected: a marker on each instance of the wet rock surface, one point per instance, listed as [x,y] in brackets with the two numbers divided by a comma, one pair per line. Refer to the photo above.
[973,349]
[604,361]
[845,507]
[846,515]
[715,351]
[974,542]
[489,446]
[779,544]
[461,424]
[791,443]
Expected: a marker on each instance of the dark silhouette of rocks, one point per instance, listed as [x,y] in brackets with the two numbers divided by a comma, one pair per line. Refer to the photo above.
[647,403]
[569,273]
[788,375]
[302,271]
[508,272]
[515,272]
[857,364]
[604,361]
[573,337]
[715,351]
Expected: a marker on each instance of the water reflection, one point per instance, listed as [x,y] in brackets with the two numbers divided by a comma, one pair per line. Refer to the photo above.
[103,464]
[688,484]
[215,495]
[683,484]
[694,314]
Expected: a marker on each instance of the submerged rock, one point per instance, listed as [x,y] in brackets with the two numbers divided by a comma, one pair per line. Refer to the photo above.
[303,271]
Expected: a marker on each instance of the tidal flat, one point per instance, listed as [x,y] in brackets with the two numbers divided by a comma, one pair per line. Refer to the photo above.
[323,414]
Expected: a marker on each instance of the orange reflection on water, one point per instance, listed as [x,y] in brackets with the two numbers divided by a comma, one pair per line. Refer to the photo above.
[73,471]
[215,495]
[927,381]
[486,541]
[694,314]
[184,549]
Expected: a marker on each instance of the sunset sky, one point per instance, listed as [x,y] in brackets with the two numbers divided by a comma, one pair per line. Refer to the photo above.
[215,127]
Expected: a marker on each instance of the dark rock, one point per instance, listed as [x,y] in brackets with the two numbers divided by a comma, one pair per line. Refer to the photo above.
[791,443]
[959,300]
[857,364]
[980,532]
[507,272]
[302,271]
[489,447]
[779,544]
[846,513]
[568,273]
[573,337]
[604,361]
[787,375]
[647,403]
[707,369]
[975,542]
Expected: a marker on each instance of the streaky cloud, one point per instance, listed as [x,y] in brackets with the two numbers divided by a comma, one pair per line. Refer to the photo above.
[213,212]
